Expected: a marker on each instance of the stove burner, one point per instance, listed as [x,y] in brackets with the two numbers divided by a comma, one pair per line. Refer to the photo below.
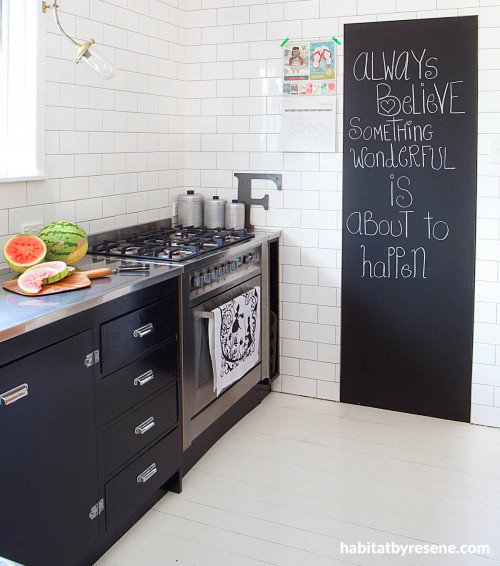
[171,244]
[178,254]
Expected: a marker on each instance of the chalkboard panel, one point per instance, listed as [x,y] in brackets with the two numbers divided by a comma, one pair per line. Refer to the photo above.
[410,145]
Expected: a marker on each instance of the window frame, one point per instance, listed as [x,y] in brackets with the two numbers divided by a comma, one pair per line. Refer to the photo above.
[29,60]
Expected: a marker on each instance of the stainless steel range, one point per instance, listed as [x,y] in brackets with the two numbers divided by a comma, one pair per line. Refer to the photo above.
[219,266]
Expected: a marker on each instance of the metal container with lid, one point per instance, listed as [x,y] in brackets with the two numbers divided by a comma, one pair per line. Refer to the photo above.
[235,215]
[215,212]
[190,209]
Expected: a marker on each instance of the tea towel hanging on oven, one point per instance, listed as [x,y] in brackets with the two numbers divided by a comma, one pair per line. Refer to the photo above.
[234,337]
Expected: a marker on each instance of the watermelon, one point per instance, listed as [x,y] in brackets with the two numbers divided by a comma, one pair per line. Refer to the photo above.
[60,267]
[24,251]
[65,241]
[31,280]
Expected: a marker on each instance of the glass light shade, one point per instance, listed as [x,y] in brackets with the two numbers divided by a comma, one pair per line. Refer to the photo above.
[99,63]
[85,52]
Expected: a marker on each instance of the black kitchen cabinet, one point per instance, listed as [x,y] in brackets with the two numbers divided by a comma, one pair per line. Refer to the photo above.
[139,428]
[138,380]
[89,427]
[48,455]
[135,333]
[141,479]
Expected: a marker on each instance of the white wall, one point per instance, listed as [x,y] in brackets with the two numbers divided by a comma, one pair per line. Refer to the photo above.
[113,147]
[116,149]
[233,107]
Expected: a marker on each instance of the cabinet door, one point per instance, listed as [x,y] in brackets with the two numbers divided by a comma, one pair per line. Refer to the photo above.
[48,462]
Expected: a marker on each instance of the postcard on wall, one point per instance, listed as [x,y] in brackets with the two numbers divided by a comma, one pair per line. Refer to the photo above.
[309,67]
[296,61]
[322,60]
[308,124]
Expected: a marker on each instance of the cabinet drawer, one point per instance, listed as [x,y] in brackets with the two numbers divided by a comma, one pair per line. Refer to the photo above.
[138,481]
[132,384]
[138,429]
[133,334]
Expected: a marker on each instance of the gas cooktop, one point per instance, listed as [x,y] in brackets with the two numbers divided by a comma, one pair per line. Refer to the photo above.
[164,243]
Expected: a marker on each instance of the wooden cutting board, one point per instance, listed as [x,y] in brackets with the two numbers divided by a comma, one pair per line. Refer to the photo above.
[77,280]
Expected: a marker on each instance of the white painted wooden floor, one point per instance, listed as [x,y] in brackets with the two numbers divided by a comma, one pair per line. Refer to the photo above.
[298,476]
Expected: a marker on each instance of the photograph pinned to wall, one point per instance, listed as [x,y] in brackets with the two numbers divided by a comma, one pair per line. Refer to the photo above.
[309,68]
[296,61]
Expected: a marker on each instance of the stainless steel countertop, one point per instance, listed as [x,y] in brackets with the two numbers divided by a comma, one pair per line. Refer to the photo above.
[20,313]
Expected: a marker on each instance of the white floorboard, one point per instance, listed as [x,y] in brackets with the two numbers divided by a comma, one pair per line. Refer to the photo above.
[298,476]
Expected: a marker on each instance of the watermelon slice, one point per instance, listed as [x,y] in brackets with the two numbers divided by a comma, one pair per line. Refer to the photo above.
[24,251]
[61,268]
[31,280]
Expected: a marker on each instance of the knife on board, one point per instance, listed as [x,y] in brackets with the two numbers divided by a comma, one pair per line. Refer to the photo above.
[132,268]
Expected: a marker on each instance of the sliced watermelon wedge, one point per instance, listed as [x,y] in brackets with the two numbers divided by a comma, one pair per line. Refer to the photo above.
[60,267]
[24,251]
[31,280]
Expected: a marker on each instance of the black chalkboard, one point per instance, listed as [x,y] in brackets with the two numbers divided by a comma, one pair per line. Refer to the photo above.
[409,209]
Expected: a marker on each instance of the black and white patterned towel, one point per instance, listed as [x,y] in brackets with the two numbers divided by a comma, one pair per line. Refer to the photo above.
[234,337]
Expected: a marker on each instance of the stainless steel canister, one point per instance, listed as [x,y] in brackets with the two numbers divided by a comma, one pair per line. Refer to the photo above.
[190,209]
[235,215]
[215,212]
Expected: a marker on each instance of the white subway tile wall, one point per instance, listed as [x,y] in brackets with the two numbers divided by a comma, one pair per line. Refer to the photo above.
[106,140]
[244,135]
[197,98]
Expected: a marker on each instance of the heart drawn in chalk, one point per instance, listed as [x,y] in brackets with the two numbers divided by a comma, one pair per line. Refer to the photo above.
[387,106]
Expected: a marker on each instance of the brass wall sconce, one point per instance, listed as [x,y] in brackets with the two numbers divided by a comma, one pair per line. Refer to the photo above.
[85,52]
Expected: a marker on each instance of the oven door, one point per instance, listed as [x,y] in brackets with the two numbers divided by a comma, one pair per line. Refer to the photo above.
[202,392]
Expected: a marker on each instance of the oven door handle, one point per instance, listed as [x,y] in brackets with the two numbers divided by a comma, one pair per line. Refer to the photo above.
[200,315]
[204,314]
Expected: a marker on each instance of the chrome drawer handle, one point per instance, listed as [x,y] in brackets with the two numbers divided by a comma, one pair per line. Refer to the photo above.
[144,330]
[147,474]
[14,394]
[145,426]
[144,378]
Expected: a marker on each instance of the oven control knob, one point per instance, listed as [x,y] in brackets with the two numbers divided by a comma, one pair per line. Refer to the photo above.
[221,271]
[206,278]
[250,258]
[198,281]
[256,256]
[227,268]
[214,274]
[234,266]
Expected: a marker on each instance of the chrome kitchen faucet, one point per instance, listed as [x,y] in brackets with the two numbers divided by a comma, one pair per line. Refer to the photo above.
[245,191]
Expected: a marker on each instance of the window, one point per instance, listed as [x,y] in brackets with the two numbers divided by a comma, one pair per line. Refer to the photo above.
[21,90]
